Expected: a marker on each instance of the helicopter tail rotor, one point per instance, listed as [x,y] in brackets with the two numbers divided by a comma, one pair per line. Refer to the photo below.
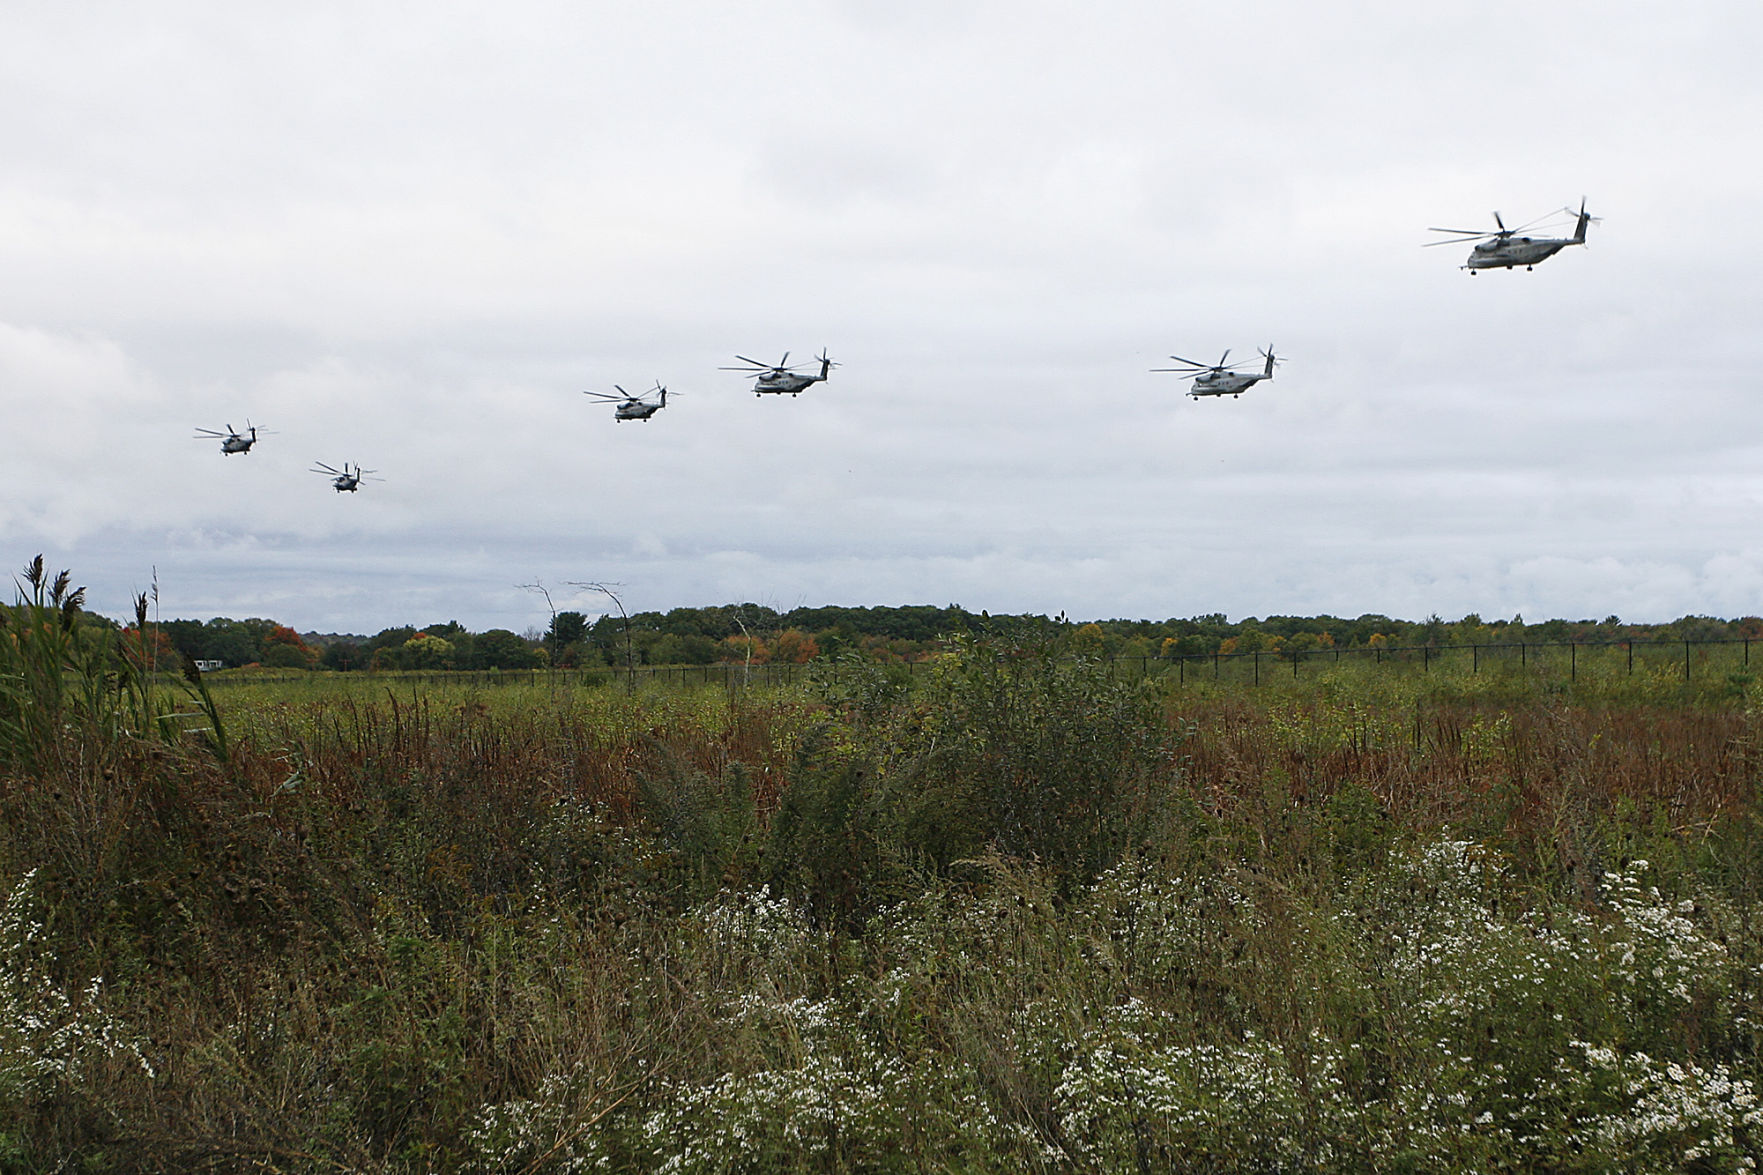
[1582,219]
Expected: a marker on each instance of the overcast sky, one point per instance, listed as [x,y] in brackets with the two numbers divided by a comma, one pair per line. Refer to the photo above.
[410,235]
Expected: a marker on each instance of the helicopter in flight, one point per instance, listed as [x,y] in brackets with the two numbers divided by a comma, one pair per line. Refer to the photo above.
[347,479]
[631,407]
[231,441]
[1503,248]
[1222,378]
[781,377]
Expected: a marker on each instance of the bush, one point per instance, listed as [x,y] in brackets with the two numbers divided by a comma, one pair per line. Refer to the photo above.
[1040,755]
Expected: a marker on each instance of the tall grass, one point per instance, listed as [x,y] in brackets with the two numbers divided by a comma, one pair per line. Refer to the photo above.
[1016,915]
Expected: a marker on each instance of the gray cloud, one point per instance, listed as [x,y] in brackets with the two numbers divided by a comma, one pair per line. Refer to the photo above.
[412,240]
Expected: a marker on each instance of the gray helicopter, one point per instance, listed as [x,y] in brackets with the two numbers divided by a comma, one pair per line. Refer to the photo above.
[1222,378]
[1505,249]
[781,378]
[631,407]
[231,441]
[347,479]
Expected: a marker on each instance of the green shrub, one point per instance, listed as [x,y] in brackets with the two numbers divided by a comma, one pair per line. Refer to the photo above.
[1042,756]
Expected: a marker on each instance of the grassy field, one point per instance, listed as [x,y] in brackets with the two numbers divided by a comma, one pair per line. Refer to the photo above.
[1017,911]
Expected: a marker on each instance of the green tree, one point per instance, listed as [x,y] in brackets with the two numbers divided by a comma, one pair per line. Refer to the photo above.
[278,655]
[428,652]
[389,638]
[343,655]
[500,649]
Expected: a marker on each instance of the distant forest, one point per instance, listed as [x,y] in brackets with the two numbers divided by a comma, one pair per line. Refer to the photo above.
[753,632]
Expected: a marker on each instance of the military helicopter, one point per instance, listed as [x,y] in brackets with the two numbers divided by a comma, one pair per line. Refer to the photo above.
[633,407]
[346,479]
[1504,249]
[1222,378]
[231,441]
[780,378]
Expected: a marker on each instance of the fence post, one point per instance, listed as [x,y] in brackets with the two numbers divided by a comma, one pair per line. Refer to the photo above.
[1257,668]
[1521,654]
[1630,644]
[1686,660]
[1475,658]
[1426,658]
[1572,662]
[1215,667]
[1295,655]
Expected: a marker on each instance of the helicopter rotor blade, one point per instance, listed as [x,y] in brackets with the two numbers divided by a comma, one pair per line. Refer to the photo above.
[1530,224]
[1190,363]
[1501,223]
[755,362]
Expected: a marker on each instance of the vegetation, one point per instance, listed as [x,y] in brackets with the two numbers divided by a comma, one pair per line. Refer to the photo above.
[1011,912]
[754,634]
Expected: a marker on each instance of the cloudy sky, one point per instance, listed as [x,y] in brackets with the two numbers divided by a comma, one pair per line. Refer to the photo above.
[410,235]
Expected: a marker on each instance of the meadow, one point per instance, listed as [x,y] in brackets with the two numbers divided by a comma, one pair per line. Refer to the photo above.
[1019,910]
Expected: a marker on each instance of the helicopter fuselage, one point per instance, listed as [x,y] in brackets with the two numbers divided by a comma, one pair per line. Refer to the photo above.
[1224,383]
[784,383]
[1515,251]
[635,410]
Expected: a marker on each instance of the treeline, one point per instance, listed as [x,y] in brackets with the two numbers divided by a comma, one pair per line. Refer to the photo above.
[758,634]
[234,643]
